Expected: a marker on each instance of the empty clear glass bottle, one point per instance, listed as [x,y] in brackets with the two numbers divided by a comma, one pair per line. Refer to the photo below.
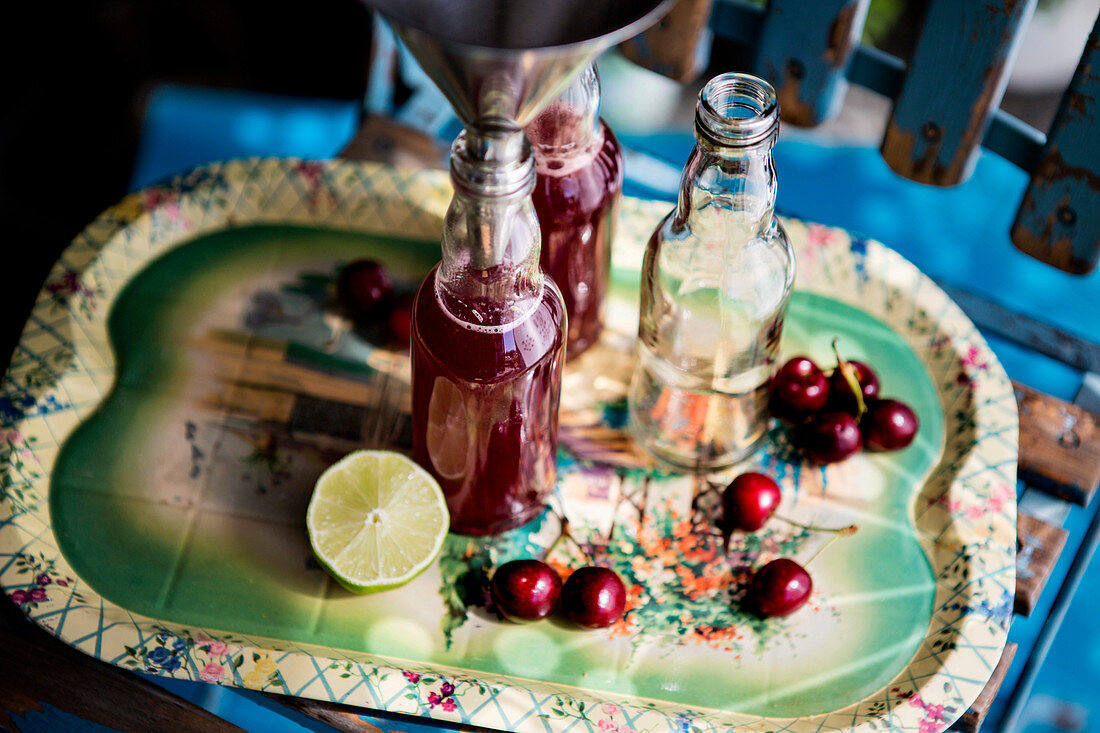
[716,279]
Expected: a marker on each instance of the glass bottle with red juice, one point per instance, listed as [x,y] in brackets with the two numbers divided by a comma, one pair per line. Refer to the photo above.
[488,342]
[576,197]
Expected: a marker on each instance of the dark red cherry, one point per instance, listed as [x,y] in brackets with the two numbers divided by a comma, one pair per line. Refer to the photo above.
[749,501]
[362,288]
[889,425]
[799,389]
[829,438]
[779,588]
[841,397]
[525,590]
[593,597]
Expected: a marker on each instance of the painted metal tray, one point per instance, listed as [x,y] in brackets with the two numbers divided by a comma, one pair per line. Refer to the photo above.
[183,379]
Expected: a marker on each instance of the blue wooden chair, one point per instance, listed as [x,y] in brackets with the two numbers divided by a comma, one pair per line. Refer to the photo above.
[945,110]
[945,104]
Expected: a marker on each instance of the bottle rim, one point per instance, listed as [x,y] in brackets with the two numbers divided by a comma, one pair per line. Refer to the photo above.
[737,110]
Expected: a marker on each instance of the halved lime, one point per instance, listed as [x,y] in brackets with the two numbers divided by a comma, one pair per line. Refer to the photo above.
[376,520]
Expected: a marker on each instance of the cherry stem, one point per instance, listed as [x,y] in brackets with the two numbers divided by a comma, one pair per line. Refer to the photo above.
[848,373]
[850,529]
[567,534]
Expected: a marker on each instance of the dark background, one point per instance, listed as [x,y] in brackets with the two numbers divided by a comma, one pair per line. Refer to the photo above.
[75,79]
[77,74]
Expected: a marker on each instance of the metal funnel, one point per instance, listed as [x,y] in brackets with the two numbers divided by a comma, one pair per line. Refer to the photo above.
[509,58]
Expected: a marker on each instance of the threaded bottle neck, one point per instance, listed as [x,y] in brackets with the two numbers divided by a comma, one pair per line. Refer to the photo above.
[491,159]
[736,112]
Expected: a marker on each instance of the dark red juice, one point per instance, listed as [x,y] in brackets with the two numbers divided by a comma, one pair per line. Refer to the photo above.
[485,407]
[576,198]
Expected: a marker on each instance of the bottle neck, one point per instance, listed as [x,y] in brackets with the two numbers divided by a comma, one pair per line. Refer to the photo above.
[570,125]
[730,170]
[489,271]
[740,184]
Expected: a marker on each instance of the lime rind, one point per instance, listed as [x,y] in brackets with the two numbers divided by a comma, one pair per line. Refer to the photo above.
[376,520]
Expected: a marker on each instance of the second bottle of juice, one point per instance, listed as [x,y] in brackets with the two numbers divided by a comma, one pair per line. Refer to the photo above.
[576,197]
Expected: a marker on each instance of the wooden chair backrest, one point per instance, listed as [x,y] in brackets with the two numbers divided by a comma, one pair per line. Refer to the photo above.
[946,98]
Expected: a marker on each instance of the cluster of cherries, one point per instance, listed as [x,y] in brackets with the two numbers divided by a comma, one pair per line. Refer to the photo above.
[835,415]
[595,597]
[365,294]
[782,586]
[529,590]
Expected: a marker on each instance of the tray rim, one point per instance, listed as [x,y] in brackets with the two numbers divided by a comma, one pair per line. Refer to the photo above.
[161,214]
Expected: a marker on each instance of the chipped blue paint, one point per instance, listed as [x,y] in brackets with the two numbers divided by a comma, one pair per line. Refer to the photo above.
[956,79]
[1059,219]
[804,50]
[741,23]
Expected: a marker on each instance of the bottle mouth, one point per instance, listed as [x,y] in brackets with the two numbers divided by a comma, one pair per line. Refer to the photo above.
[568,124]
[737,110]
[493,158]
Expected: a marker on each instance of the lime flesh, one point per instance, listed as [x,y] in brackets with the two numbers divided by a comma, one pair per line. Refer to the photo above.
[376,520]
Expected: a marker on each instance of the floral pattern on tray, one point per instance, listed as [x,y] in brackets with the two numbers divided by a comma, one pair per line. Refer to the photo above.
[63,368]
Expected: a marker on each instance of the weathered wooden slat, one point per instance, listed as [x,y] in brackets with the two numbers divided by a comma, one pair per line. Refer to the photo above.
[58,686]
[804,50]
[1038,546]
[956,79]
[1022,329]
[1059,219]
[1013,717]
[972,719]
[738,23]
[677,46]
[1059,445]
